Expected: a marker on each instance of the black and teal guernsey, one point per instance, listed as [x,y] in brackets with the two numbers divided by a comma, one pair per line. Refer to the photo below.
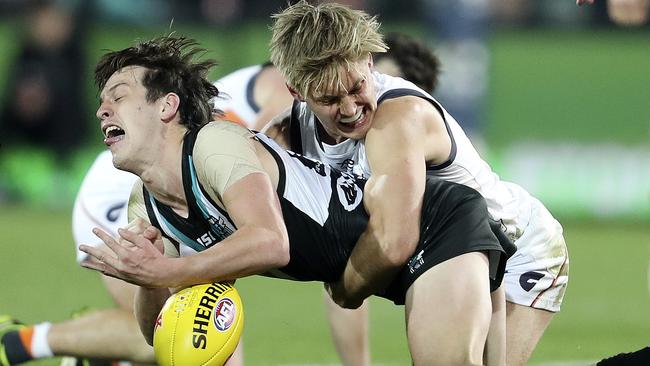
[324,215]
[322,209]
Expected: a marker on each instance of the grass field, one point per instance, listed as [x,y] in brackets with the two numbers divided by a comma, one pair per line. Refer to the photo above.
[605,310]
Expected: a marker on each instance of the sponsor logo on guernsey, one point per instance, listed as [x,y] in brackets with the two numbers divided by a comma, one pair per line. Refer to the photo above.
[206,239]
[207,304]
[220,226]
[528,280]
[416,261]
[224,314]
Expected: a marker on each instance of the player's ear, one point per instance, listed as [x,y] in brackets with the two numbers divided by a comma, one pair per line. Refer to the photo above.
[295,94]
[170,105]
[371,63]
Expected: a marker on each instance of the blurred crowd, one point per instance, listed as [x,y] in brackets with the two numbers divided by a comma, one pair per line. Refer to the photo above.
[45,120]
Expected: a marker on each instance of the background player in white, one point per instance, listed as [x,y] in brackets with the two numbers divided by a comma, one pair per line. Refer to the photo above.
[350,116]
[251,96]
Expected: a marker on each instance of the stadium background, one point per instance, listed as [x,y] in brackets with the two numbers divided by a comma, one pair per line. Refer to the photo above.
[567,117]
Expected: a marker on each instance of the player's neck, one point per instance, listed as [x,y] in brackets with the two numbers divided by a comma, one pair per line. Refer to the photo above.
[163,177]
[326,137]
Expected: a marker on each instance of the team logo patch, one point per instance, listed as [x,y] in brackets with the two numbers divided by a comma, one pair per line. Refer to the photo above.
[114,211]
[350,195]
[528,280]
[224,314]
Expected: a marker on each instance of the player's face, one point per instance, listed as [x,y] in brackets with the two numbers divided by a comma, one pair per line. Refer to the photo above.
[127,119]
[347,111]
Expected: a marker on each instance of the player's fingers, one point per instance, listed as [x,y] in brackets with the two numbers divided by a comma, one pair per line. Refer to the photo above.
[134,238]
[138,225]
[152,233]
[109,241]
[101,255]
[94,265]
[102,268]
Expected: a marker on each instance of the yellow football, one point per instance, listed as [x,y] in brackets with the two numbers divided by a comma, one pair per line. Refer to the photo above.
[199,325]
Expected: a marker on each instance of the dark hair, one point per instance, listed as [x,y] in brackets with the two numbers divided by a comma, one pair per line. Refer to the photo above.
[416,61]
[170,67]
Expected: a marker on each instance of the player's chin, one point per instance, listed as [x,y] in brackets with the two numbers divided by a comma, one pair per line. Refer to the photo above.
[118,159]
[355,133]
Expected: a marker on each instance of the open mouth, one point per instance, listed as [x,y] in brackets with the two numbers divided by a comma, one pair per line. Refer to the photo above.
[353,119]
[349,124]
[113,134]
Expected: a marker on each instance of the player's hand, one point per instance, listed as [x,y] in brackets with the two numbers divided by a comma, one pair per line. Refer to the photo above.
[133,257]
[341,297]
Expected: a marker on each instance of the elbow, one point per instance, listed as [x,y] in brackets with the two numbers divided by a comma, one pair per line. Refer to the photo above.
[398,249]
[279,246]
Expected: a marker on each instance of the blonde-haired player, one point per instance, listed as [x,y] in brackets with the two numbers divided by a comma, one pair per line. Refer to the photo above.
[348,115]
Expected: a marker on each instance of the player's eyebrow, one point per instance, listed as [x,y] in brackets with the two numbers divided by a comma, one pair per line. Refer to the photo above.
[110,90]
[332,98]
[357,85]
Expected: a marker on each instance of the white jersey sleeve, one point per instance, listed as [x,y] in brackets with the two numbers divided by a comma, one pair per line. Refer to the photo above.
[236,99]
[101,202]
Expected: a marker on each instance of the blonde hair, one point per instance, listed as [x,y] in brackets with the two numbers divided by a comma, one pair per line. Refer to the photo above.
[311,42]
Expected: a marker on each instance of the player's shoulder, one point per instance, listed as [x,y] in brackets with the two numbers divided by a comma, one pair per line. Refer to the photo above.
[215,129]
[218,137]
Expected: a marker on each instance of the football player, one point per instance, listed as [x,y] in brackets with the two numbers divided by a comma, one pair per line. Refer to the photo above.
[231,203]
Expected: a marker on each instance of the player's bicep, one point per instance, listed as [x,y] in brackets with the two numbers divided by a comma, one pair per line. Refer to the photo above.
[397,160]
[396,155]
[253,202]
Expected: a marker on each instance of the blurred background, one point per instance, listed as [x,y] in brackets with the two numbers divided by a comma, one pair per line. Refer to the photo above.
[555,96]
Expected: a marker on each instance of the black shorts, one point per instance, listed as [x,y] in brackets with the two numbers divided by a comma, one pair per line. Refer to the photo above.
[454,221]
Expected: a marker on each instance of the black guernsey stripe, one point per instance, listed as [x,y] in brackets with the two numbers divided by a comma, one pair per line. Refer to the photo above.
[294,128]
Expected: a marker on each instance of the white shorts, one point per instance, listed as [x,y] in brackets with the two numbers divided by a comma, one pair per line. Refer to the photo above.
[538,273]
[101,202]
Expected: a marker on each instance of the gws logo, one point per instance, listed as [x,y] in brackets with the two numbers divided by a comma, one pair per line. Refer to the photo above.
[528,280]
[224,314]
[114,211]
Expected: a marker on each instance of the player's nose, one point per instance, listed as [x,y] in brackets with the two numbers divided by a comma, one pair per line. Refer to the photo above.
[348,106]
[103,112]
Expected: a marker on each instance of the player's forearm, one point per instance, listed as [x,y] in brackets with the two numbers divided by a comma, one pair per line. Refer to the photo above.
[148,303]
[369,269]
[248,251]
